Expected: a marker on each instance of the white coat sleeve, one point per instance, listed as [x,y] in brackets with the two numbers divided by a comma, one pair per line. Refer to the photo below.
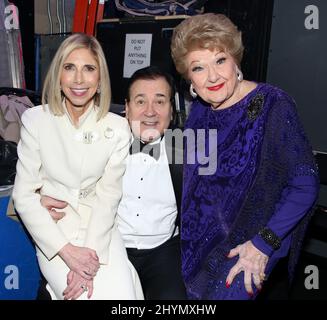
[37,220]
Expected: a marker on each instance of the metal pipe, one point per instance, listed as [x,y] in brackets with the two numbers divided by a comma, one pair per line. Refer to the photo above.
[63,7]
[58,16]
[49,16]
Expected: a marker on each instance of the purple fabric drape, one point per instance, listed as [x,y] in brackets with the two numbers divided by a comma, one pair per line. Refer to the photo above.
[265,176]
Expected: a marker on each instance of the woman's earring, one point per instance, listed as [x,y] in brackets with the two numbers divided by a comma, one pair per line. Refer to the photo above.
[192,92]
[239,74]
[98,90]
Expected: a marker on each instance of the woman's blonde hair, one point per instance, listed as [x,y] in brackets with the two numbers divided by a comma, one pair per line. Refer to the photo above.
[205,31]
[51,93]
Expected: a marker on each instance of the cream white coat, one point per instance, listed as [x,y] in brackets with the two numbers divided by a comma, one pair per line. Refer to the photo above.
[84,167]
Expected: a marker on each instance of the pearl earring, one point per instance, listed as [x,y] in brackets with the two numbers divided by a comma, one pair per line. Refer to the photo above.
[239,74]
[192,92]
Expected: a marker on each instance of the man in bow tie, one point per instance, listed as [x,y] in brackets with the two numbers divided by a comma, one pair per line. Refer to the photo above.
[148,213]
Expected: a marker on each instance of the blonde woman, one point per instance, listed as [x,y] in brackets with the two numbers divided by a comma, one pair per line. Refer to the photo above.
[73,150]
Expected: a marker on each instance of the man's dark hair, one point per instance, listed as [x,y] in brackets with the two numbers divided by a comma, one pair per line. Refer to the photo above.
[151,73]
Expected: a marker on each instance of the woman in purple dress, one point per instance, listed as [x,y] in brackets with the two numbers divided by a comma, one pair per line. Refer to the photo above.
[241,218]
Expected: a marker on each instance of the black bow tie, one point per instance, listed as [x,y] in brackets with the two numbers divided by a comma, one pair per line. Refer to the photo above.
[152,150]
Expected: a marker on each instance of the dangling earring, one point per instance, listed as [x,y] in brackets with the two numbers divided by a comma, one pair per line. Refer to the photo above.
[192,92]
[98,90]
[239,74]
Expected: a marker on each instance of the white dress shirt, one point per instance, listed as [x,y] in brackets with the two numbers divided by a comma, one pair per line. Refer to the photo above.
[147,211]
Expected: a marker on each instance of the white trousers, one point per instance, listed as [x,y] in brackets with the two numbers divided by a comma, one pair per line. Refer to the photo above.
[117,280]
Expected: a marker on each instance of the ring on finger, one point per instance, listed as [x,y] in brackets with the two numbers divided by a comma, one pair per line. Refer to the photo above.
[84,287]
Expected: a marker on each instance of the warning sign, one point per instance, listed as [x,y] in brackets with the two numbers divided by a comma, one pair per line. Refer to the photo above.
[137,53]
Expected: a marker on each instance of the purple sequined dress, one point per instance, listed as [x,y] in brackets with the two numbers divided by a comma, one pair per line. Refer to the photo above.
[265,177]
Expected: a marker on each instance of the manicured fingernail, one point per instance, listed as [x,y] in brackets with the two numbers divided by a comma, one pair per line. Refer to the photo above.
[227,284]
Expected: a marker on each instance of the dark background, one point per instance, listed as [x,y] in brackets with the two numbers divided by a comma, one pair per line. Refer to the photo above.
[279,50]
[249,15]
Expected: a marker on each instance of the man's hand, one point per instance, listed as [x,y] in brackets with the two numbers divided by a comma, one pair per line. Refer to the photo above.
[52,205]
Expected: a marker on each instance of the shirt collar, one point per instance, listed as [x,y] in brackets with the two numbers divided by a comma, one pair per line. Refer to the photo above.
[158,140]
[83,117]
